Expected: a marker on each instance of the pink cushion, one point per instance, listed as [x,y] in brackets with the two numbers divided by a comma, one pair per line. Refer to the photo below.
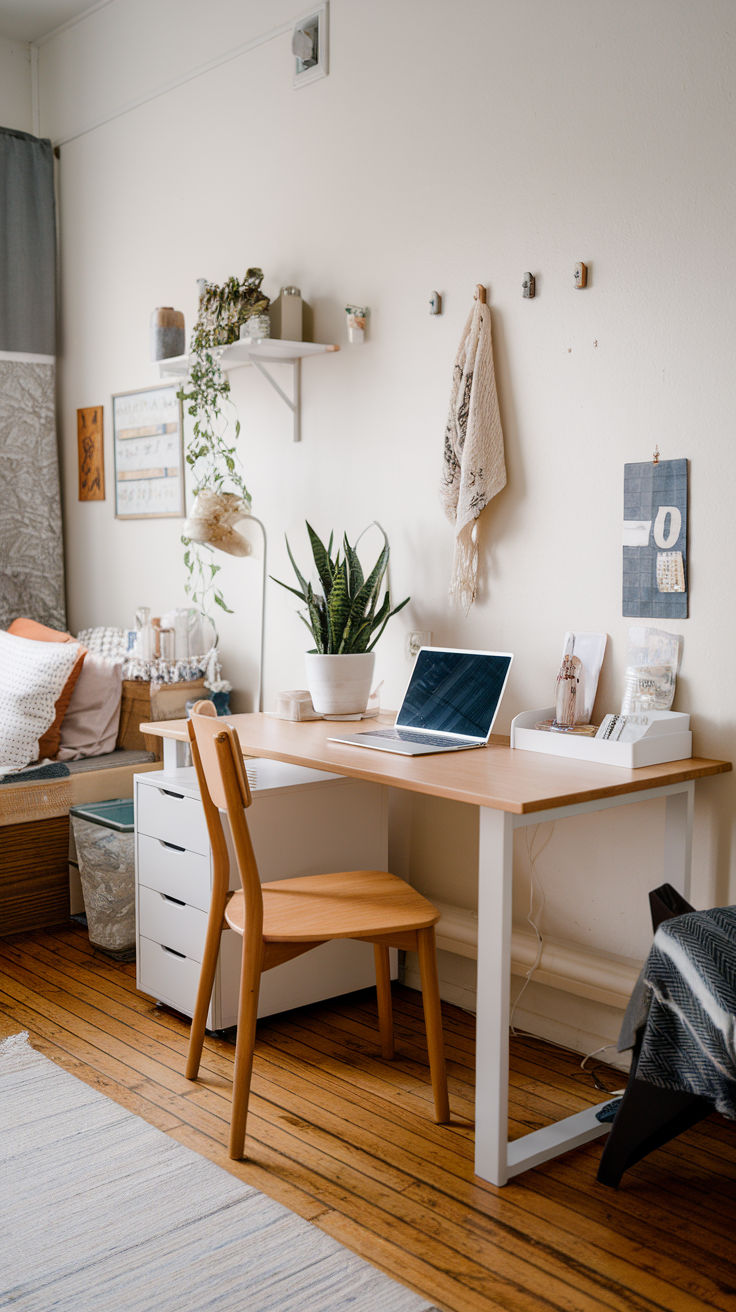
[90,726]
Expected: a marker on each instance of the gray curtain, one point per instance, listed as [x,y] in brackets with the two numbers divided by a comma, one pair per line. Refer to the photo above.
[31,548]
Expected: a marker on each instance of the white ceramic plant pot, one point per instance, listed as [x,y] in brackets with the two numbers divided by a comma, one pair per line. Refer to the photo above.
[340,685]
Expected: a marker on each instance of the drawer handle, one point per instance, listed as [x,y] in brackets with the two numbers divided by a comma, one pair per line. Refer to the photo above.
[167,898]
[174,846]
[172,952]
[168,793]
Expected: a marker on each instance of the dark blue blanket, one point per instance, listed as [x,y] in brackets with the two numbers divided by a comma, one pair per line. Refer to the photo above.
[54,770]
[688,1008]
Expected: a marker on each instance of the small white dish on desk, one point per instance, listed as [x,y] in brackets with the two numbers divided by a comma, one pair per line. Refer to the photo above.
[362,715]
[366,715]
[667,739]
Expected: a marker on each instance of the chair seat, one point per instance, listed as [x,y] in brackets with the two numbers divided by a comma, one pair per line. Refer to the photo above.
[352,904]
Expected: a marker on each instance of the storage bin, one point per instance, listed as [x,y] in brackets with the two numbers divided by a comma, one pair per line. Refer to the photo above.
[669,739]
[105,841]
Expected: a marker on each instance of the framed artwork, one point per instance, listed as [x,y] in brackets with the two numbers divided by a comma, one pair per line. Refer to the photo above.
[149,453]
[655,540]
[91,453]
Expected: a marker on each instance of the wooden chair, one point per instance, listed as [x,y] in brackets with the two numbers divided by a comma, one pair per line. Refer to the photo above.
[283,919]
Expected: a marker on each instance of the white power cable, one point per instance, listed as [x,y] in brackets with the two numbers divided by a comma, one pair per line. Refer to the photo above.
[533,880]
[612,1093]
[534,884]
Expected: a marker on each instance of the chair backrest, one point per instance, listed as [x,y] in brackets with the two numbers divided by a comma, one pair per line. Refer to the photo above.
[224,786]
[205,707]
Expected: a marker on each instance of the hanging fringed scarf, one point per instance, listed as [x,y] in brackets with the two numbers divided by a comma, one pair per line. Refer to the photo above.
[474,466]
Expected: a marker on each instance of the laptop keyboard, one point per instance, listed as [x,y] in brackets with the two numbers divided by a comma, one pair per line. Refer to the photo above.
[425,739]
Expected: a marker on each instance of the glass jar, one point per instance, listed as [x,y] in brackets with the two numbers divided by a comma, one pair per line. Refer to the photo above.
[255,328]
[653,688]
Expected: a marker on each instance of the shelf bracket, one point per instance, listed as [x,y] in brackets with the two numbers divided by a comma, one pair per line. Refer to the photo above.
[294,401]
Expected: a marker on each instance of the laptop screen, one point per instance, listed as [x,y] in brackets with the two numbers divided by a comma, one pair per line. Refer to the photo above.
[455,691]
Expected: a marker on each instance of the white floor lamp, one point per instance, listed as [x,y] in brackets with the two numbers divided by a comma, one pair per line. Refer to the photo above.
[212,524]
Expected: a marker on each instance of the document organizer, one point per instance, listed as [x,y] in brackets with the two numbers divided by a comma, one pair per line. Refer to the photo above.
[668,739]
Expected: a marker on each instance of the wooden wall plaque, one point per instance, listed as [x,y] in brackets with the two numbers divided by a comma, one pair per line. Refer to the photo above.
[91,454]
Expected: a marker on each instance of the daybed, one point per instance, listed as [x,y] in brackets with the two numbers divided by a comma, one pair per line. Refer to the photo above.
[68,734]
[39,882]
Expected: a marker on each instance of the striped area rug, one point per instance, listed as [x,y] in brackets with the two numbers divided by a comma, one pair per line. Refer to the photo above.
[100,1211]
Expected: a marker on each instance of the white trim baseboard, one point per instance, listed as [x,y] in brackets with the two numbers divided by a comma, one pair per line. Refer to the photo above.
[599,976]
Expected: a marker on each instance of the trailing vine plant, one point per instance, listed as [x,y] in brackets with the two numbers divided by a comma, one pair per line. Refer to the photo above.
[211,452]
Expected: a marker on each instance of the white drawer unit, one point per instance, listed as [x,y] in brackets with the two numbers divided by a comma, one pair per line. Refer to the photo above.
[172,815]
[170,868]
[302,822]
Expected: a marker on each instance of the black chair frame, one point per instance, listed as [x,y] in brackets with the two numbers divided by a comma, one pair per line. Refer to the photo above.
[648,1116]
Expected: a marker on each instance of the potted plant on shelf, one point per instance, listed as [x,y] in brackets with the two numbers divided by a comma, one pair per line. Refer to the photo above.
[345,620]
[221,497]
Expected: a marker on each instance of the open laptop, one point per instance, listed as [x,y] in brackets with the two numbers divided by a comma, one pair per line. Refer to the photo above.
[449,706]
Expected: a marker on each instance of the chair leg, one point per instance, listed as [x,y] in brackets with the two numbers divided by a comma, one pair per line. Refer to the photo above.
[206,983]
[385,1004]
[647,1119]
[433,1022]
[250,984]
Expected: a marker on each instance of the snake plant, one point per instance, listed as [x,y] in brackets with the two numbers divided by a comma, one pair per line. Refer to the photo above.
[342,613]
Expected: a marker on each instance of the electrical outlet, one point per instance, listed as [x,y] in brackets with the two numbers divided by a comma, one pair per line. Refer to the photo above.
[416,639]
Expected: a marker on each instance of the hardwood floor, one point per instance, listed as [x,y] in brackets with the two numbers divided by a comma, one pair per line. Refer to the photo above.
[347,1141]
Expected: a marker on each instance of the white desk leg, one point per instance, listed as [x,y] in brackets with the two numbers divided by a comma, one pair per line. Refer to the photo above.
[495,866]
[678,838]
[176,754]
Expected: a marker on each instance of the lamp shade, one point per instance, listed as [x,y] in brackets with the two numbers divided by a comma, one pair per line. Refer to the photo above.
[212,519]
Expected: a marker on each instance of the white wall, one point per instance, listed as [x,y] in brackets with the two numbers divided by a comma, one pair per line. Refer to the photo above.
[451,144]
[15,85]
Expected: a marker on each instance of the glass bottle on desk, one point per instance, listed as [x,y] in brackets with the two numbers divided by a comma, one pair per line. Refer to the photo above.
[145,637]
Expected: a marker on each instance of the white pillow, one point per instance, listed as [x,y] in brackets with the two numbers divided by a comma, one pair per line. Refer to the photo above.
[32,677]
[105,642]
[90,726]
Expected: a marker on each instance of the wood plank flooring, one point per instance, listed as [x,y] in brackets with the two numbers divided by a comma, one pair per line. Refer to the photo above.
[347,1141]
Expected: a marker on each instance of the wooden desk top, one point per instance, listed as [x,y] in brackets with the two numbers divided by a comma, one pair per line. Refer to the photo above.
[497,777]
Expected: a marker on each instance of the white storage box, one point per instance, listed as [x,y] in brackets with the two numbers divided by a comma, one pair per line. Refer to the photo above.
[668,739]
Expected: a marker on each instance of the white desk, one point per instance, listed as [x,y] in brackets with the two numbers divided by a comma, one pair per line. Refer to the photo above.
[512,789]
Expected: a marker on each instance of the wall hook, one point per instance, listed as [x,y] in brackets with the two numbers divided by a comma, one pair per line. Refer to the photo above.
[529,286]
[479,293]
[581,275]
[435,303]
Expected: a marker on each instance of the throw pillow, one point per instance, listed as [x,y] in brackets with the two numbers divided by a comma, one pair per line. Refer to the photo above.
[105,641]
[33,676]
[90,726]
[25,628]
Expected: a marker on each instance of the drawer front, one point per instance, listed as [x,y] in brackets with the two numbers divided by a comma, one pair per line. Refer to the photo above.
[164,813]
[167,977]
[171,869]
[174,924]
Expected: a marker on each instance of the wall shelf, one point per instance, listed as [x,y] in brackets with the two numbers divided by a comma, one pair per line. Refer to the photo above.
[267,351]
